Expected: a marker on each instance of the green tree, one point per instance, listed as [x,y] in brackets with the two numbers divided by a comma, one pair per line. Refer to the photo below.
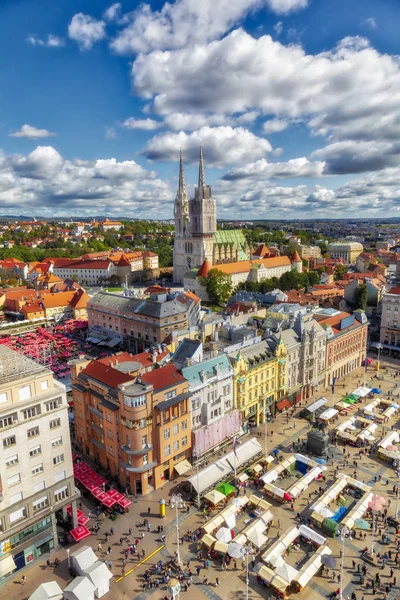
[219,286]
[339,272]
[361,296]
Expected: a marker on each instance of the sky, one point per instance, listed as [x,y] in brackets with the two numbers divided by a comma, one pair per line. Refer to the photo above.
[295,102]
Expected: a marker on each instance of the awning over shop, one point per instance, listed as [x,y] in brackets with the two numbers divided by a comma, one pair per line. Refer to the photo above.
[183,467]
[113,343]
[283,404]
[7,565]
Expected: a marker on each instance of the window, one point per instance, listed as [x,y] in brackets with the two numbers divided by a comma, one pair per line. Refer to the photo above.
[176,445]
[16,498]
[58,459]
[25,392]
[3,397]
[44,385]
[184,425]
[8,420]
[14,479]
[57,441]
[18,514]
[9,441]
[40,504]
[110,450]
[38,487]
[61,494]
[134,402]
[145,459]
[170,394]
[184,441]
[144,441]
[53,404]
[167,450]
[60,476]
[33,432]
[31,412]
[109,418]
[12,460]
[143,423]
[55,423]
[176,428]
[167,433]
[35,451]
[37,469]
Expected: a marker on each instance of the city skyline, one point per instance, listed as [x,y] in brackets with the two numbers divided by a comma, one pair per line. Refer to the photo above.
[293,101]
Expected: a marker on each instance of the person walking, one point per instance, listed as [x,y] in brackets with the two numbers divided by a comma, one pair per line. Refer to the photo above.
[148,510]
[99,547]
[23,580]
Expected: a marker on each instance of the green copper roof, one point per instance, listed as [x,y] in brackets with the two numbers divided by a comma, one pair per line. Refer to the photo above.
[232,236]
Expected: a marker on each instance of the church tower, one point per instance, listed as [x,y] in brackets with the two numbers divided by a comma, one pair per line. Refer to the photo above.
[195,224]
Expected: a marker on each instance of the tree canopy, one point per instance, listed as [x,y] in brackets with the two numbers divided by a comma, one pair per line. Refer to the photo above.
[219,287]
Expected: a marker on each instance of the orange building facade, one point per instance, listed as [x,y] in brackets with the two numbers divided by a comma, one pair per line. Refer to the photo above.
[132,417]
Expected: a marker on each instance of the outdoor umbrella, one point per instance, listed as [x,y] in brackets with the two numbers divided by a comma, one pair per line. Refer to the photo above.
[224,535]
[214,497]
[235,550]
[362,524]
[257,538]
[329,561]
[376,391]
[79,533]
[225,488]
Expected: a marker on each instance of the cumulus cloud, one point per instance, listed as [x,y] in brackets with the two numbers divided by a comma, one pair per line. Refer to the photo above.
[222,146]
[52,41]
[86,31]
[358,156]
[275,125]
[113,12]
[185,22]
[45,183]
[146,124]
[190,122]
[27,131]
[262,169]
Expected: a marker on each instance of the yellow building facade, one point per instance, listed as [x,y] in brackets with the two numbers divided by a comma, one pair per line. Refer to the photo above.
[259,381]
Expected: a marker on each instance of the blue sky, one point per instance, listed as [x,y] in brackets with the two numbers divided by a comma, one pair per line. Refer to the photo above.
[295,102]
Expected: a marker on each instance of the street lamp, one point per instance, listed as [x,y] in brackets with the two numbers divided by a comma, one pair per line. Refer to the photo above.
[176,501]
[247,551]
[265,431]
[69,560]
[344,532]
[380,347]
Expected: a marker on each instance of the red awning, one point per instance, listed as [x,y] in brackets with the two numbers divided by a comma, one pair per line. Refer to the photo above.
[283,404]
[124,503]
[97,492]
[92,487]
[80,533]
[108,502]
[82,519]
[115,495]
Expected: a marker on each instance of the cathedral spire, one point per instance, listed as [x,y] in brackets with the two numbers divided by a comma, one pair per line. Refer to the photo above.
[202,179]
[182,191]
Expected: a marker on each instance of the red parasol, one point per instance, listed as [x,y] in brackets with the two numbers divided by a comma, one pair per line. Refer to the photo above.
[124,502]
[80,533]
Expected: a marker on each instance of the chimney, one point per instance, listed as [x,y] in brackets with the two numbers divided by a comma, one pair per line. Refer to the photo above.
[154,356]
[202,375]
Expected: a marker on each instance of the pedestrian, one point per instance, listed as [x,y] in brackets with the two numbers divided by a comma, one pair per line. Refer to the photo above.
[216,582]
[23,580]
[234,565]
[198,569]
[148,510]
[143,553]
[205,580]
[142,534]
[148,526]
[99,547]
[109,550]
[130,530]
[111,530]
[394,581]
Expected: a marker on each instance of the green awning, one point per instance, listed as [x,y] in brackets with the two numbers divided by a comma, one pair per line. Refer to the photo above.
[225,488]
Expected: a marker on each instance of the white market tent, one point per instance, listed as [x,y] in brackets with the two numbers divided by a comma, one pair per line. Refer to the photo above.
[362,391]
[100,576]
[316,405]
[47,591]
[82,559]
[328,414]
[221,469]
[80,588]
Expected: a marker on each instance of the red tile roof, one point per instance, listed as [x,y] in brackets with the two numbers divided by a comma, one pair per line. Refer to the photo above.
[163,377]
[296,257]
[105,374]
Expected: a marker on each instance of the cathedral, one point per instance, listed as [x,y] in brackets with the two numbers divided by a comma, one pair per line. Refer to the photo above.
[196,236]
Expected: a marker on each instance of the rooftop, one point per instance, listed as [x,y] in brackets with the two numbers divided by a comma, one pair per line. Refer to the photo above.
[15,366]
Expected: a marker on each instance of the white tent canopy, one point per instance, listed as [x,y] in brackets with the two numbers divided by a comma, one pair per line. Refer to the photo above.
[362,391]
[316,405]
[328,414]
[211,475]
[47,591]
[80,588]
[100,576]
[82,559]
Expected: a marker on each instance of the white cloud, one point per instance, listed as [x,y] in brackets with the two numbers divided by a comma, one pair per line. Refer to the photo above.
[27,131]
[370,22]
[350,156]
[85,30]
[275,125]
[146,124]
[262,169]
[110,133]
[191,122]
[278,28]
[186,22]
[45,183]
[222,146]
[52,41]
[113,12]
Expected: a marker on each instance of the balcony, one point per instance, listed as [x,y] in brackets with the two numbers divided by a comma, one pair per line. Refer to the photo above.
[95,411]
[136,452]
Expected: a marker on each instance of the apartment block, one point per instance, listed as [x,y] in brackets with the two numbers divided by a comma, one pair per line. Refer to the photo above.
[36,468]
